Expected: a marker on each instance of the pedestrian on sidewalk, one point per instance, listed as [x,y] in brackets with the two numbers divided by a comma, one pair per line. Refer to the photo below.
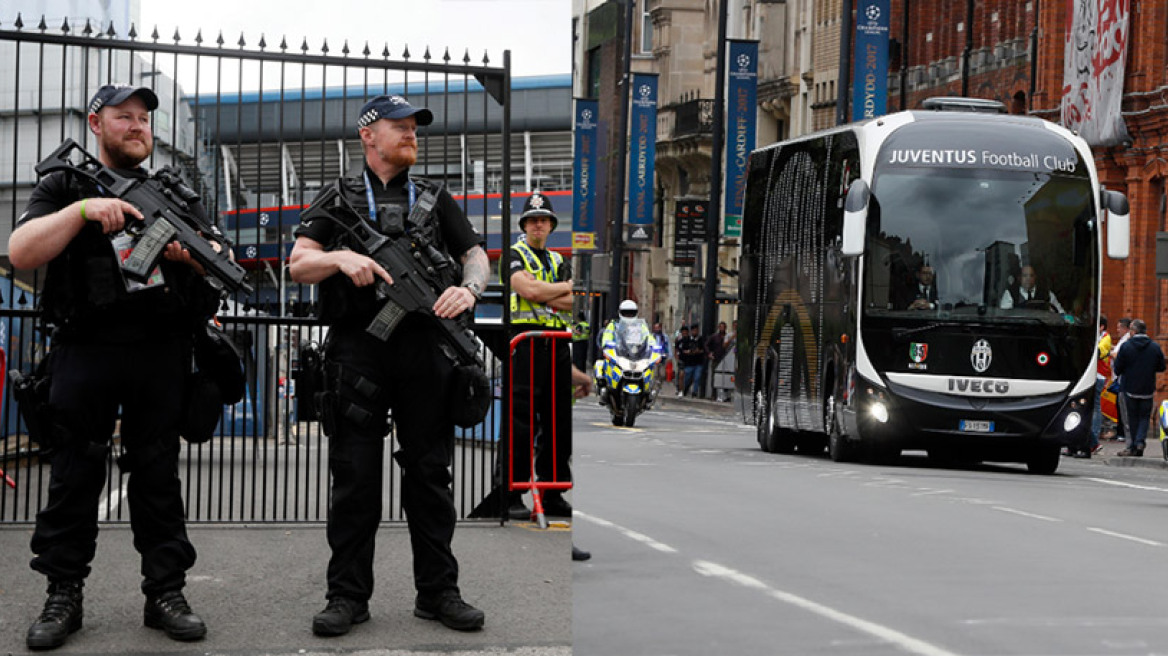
[1138,363]
[1102,374]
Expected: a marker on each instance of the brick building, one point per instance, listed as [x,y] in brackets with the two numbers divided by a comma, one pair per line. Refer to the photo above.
[1015,54]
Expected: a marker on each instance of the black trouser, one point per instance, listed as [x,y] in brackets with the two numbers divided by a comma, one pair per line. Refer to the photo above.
[90,382]
[410,376]
[533,404]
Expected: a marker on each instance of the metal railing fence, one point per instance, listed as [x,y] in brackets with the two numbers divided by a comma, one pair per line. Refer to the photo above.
[257,131]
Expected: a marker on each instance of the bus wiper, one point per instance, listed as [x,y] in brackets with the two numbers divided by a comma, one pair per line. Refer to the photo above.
[900,333]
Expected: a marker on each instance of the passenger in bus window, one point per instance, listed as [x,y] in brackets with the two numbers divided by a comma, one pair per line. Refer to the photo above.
[921,294]
[1027,293]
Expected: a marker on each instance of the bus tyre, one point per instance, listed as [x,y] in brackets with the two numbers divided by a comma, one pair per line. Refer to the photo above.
[1044,459]
[775,439]
[838,446]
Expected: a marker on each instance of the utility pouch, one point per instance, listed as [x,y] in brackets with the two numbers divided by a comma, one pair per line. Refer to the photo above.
[309,381]
[217,356]
[470,395]
[202,408]
[31,392]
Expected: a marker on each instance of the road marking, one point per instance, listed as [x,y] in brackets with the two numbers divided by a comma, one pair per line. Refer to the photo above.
[627,532]
[930,491]
[1023,513]
[106,510]
[885,633]
[1133,486]
[1123,536]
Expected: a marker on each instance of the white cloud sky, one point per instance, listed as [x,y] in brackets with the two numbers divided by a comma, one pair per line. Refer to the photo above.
[537,32]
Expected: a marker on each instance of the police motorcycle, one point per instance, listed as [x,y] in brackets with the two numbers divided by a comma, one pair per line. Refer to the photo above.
[625,375]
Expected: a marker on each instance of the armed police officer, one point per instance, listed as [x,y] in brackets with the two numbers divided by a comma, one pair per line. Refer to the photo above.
[408,374]
[541,291]
[117,343]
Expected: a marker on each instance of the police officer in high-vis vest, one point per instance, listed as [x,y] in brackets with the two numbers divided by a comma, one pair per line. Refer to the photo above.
[121,349]
[541,298]
[408,374]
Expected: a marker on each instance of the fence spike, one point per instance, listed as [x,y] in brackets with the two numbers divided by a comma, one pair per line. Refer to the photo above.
[366,51]
[220,39]
[19,21]
[406,52]
[42,27]
[385,51]
[325,48]
[446,55]
[486,59]
[345,48]
[426,55]
[199,37]
[263,43]
[176,38]
[304,46]
[466,57]
[283,42]
[65,26]
[88,28]
[154,34]
[111,32]
[133,33]
[241,42]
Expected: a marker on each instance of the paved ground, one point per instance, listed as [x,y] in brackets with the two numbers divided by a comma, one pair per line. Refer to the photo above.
[257,588]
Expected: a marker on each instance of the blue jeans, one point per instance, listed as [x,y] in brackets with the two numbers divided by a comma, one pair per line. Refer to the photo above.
[1139,412]
[693,377]
[1097,418]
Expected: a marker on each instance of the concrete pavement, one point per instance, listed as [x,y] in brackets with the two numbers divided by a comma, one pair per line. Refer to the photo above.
[258,586]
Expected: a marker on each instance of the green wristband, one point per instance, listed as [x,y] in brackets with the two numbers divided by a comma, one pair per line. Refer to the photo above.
[83,217]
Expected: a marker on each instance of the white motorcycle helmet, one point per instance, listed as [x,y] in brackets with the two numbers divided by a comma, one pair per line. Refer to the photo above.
[628,310]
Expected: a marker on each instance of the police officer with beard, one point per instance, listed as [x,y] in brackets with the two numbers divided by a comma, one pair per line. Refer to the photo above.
[117,343]
[408,374]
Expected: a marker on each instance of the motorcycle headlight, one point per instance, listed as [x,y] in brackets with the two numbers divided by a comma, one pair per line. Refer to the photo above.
[623,363]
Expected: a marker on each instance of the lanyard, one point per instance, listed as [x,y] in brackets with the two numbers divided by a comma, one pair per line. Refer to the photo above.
[413,191]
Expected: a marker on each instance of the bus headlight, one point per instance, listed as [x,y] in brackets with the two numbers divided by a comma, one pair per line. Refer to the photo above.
[879,412]
[1072,421]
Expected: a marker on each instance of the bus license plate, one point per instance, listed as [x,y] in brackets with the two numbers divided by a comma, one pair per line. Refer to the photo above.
[977,426]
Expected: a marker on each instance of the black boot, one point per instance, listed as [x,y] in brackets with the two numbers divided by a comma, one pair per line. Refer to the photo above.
[338,616]
[554,505]
[61,616]
[449,608]
[170,612]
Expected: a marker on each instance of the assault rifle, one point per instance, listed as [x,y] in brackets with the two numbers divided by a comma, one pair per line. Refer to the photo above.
[165,202]
[410,258]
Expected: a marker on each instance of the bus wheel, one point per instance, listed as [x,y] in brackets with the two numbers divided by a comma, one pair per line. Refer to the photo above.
[839,447]
[775,438]
[1044,459]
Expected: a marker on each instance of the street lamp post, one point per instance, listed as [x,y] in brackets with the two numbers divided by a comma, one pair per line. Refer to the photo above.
[714,216]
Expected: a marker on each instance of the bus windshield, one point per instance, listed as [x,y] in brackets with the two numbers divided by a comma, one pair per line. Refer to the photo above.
[981,245]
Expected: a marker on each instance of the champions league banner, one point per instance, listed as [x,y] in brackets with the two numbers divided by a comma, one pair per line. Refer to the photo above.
[584,175]
[742,98]
[870,88]
[1093,69]
[642,152]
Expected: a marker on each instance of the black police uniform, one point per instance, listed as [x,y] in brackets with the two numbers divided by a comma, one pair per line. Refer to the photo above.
[112,349]
[531,397]
[407,374]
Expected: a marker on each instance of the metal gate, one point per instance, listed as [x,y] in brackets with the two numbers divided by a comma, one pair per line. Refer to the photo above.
[258,130]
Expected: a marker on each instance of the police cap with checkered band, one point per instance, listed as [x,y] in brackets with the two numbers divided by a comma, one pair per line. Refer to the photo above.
[112,95]
[392,107]
[538,205]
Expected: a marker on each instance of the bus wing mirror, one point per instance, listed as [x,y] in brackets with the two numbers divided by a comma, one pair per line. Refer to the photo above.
[1118,224]
[856,218]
